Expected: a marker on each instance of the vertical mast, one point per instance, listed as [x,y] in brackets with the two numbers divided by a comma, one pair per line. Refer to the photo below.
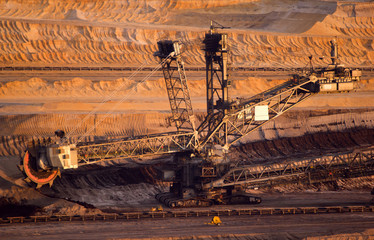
[217,83]
[176,84]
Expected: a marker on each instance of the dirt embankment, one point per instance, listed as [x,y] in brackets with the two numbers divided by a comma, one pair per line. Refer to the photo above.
[263,34]
[308,145]
[312,134]
[135,47]
[17,130]
[37,87]
[130,95]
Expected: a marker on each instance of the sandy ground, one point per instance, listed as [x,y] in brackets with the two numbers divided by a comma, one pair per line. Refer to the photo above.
[131,94]
[347,226]
[263,33]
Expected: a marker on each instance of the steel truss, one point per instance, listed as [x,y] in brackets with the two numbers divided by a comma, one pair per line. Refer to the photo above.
[227,122]
[136,148]
[217,82]
[321,169]
[240,120]
[176,85]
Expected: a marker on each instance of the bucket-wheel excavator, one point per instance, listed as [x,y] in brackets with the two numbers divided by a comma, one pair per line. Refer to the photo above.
[201,173]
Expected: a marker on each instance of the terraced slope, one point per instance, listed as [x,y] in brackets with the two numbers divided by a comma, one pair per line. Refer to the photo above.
[124,33]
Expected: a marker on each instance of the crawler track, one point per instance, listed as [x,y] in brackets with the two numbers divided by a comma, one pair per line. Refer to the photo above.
[185,214]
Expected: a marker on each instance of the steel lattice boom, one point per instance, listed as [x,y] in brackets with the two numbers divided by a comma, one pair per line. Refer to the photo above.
[241,120]
[320,169]
[136,148]
[176,84]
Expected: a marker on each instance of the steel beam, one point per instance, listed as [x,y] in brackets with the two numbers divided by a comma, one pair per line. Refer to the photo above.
[136,148]
[325,168]
[240,121]
[176,85]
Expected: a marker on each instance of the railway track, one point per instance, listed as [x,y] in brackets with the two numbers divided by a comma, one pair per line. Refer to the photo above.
[187,214]
[151,68]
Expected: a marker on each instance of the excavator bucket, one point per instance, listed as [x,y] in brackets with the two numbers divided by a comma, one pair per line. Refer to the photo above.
[34,175]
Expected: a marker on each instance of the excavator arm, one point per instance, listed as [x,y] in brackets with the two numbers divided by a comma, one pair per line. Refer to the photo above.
[136,148]
[246,116]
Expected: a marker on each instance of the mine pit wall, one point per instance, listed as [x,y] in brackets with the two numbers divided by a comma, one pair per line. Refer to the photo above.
[287,51]
[38,41]
[126,184]
[112,187]
[117,186]
[297,135]
[312,144]
[45,125]
[296,126]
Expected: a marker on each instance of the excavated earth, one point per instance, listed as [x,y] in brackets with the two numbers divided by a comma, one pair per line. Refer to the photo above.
[132,183]
[124,33]
[100,105]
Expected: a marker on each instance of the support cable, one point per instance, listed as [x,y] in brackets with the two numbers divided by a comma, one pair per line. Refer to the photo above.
[121,101]
[105,100]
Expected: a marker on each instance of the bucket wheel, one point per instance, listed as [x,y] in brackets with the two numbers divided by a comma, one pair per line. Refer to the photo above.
[35,175]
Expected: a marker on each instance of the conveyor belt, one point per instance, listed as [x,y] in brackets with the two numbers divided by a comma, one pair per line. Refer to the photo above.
[186,214]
